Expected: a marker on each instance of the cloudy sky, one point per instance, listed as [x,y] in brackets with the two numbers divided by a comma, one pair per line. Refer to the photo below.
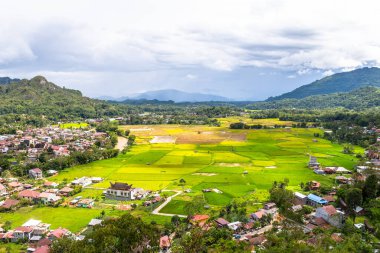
[239,49]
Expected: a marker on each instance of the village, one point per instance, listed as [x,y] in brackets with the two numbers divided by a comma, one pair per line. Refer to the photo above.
[33,142]
[315,206]
[318,210]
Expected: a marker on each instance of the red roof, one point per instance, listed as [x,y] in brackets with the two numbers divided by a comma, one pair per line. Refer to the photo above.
[164,242]
[8,203]
[59,232]
[29,194]
[44,242]
[329,198]
[66,189]
[259,214]
[14,184]
[330,209]
[221,221]
[37,170]
[200,217]
[24,229]
[42,249]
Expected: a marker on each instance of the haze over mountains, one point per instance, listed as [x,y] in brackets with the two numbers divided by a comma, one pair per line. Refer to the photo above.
[316,94]
[173,95]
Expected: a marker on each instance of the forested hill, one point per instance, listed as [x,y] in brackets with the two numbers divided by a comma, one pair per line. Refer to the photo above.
[361,98]
[40,97]
[340,82]
[8,80]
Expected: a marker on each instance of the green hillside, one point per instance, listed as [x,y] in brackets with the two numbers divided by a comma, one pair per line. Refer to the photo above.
[361,98]
[40,97]
[340,82]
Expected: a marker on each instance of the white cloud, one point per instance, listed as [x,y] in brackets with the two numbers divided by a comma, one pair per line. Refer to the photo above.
[328,73]
[147,36]
[191,76]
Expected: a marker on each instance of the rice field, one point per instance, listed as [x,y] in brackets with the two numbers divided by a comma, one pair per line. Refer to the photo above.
[239,163]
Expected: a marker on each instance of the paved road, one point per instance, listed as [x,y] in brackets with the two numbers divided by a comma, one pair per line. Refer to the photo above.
[158,209]
[260,231]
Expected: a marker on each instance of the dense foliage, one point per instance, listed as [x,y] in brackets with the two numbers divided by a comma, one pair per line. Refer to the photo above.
[125,234]
[366,97]
[340,82]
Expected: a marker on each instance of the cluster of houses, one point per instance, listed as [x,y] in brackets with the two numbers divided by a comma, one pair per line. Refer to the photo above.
[39,235]
[34,141]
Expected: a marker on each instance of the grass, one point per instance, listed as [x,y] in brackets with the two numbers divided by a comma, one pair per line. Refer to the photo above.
[73,219]
[240,163]
[73,125]
[175,206]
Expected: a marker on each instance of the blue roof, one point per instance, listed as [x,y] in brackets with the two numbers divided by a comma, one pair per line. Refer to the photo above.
[317,199]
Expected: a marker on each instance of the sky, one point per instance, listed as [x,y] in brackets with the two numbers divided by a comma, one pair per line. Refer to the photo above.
[237,48]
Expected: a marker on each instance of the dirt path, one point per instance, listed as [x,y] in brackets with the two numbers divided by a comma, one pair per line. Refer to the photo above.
[158,209]
[122,142]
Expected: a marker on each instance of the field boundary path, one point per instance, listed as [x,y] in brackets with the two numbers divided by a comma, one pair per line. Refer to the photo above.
[122,142]
[158,209]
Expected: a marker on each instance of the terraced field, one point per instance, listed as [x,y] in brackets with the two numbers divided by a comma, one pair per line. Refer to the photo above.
[237,163]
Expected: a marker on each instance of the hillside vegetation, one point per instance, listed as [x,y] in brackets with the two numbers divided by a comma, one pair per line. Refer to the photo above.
[362,98]
[40,97]
[340,82]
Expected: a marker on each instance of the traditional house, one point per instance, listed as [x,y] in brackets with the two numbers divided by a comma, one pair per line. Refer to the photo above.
[22,233]
[221,222]
[35,173]
[29,195]
[331,215]
[58,233]
[258,215]
[199,219]
[120,191]
[9,204]
[65,191]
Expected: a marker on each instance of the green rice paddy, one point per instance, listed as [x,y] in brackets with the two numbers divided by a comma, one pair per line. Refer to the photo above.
[239,163]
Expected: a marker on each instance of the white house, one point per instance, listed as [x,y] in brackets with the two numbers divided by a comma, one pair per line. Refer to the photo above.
[121,191]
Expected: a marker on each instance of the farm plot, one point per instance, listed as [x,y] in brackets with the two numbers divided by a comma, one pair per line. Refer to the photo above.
[239,163]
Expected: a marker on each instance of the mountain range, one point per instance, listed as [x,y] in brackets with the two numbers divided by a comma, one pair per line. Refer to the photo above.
[340,82]
[171,95]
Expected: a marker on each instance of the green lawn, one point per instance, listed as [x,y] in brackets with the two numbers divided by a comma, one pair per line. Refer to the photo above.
[73,125]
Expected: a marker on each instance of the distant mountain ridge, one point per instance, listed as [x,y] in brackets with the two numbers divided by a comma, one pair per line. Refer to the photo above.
[359,99]
[7,80]
[340,82]
[171,95]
